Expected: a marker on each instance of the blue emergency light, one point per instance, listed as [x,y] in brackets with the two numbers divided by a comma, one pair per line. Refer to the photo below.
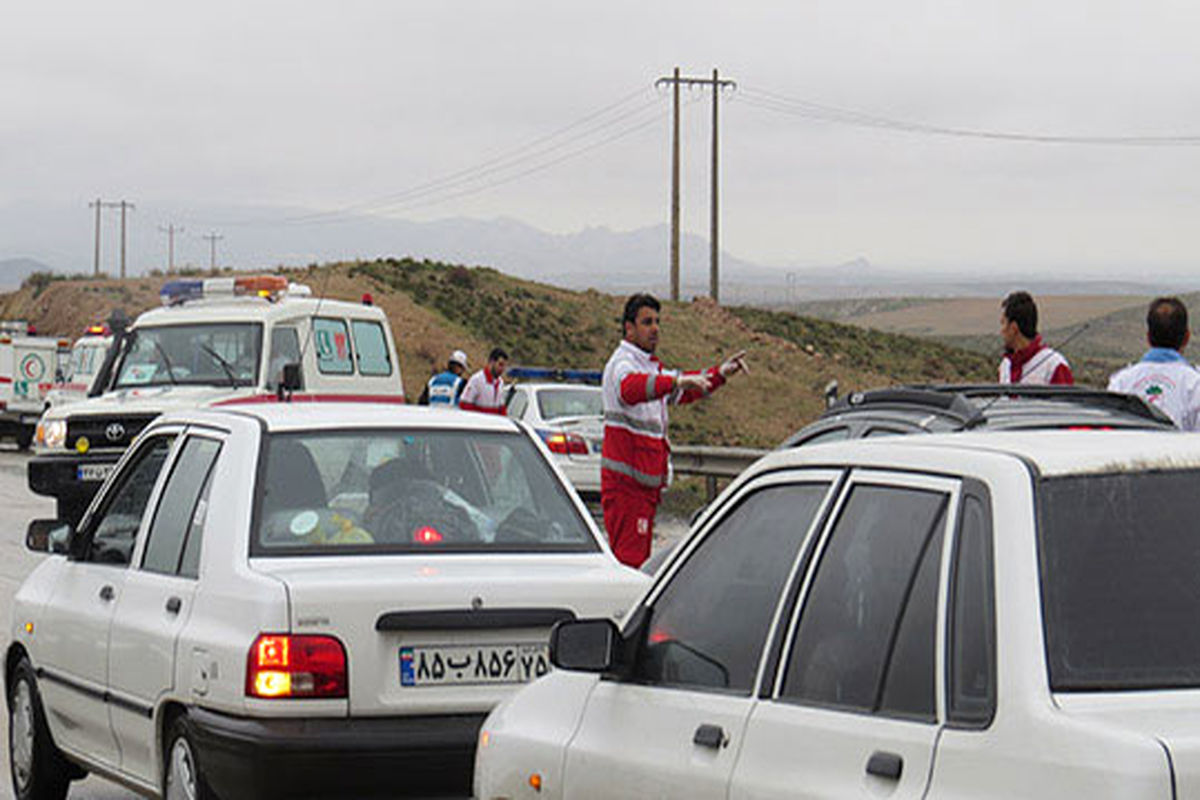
[552,374]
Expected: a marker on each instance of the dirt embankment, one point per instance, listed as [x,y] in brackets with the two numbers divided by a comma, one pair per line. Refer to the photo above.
[436,308]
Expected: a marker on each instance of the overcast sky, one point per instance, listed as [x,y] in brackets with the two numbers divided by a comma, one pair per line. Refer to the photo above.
[322,107]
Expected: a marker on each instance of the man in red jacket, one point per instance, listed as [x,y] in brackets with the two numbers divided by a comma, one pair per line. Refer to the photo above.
[635,462]
[484,390]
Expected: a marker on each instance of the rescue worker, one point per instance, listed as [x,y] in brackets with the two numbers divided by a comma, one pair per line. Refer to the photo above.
[445,388]
[1027,359]
[635,459]
[1164,378]
[484,391]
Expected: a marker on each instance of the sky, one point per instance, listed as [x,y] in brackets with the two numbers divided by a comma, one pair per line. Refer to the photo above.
[224,116]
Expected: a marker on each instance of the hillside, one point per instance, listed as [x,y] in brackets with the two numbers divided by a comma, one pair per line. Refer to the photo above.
[435,308]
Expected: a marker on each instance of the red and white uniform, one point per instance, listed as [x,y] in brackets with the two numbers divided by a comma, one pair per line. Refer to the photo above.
[636,458]
[483,392]
[1036,364]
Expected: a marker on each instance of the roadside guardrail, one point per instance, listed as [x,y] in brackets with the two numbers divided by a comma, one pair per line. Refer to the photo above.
[713,463]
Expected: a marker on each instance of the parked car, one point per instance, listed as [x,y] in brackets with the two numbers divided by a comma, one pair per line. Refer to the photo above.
[967,615]
[957,407]
[29,366]
[298,599]
[569,416]
[215,342]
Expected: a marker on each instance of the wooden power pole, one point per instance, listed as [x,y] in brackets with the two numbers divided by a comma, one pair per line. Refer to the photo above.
[717,85]
[212,238]
[170,231]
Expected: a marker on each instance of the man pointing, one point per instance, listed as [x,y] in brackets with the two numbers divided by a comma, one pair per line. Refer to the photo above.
[635,464]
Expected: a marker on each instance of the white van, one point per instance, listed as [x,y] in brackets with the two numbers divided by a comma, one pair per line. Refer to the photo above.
[215,342]
[29,366]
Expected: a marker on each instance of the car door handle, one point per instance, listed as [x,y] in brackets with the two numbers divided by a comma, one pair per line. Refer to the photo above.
[712,736]
[107,593]
[173,605]
[885,765]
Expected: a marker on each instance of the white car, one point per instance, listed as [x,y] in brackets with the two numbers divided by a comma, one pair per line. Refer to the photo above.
[984,615]
[570,419]
[87,356]
[286,599]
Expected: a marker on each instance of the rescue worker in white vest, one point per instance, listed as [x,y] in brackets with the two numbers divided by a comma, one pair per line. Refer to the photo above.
[445,388]
[1027,359]
[484,391]
[1164,378]
[636,456]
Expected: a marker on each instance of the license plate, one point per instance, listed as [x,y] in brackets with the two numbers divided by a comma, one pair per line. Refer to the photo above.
[448,665]
[93,472]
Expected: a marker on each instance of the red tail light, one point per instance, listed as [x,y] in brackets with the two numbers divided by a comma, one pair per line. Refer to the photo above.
[427,535]
[565,443]
[280,665]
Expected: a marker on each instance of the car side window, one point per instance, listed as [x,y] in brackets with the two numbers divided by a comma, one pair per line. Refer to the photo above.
[371,347]
[116,526]
[333,346]
[708,627]
[285,349]
[518,404]
[867,632]
[972,642]
[172,523]
[830,435]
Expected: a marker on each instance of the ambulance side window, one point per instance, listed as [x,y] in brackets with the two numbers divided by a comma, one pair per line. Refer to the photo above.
[333,346]
[372,349]
[285,349]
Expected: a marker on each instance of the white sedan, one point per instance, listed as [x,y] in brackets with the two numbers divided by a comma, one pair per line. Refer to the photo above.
[569,417]
[982,615]
[298,599]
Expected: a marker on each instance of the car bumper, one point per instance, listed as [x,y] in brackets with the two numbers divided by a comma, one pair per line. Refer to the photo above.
[426,756]
[57,474]
[584,474]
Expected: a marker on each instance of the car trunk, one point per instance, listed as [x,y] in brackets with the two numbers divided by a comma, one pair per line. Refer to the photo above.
[591,429]
[1171,718]
[446,633]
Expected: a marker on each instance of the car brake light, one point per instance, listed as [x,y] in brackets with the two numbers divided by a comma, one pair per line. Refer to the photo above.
[1089,427]
[427,535]
[280,665]
[564,443]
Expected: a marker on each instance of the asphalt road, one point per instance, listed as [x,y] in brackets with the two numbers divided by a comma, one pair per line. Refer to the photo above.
[18,506]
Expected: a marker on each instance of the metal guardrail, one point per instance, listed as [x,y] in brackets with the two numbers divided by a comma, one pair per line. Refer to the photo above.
[713,462]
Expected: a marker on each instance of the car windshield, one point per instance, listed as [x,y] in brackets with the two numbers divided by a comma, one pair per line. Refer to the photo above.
[1120,599]
[572,402]
[221,354]
[411,491]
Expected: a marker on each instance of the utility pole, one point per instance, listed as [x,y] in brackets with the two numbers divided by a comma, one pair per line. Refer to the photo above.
[212,238]
[717,85]
[170,231]
[99,204]
[123,206]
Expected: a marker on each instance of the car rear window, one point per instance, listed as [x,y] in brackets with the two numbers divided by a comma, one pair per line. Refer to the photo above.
[418,491]
[560,403]
[1120,595]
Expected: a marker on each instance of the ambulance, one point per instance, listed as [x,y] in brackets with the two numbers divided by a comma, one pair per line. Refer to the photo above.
[29,366]
[82,367]
[215,342]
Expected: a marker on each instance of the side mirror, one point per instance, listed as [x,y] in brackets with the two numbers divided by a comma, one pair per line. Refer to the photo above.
[290,381]
[49,536]
[586,645]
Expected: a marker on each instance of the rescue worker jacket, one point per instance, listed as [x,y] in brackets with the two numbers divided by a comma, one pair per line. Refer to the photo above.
[1036,364]
[1164,379]
[483,393]
[445,388]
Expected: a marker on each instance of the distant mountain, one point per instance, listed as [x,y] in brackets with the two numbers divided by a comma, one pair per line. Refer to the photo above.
[15,270]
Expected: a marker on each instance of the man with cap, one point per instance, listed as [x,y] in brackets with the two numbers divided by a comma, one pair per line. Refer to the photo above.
[445,388]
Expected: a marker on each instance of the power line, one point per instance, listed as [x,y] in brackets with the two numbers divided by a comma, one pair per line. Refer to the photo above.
[806,109]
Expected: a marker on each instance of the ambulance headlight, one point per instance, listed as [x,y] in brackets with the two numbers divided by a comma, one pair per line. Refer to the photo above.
[52,433]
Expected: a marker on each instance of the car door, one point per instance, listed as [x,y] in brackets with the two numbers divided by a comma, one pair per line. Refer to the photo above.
[157,601]
[855,706]
[673,728]
[72,651]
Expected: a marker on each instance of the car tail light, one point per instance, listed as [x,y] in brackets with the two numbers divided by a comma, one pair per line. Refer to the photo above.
[564,443]
[427,535]
[284,666]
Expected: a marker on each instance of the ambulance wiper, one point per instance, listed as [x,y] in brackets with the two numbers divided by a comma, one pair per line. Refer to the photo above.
[223,364]
[162,353]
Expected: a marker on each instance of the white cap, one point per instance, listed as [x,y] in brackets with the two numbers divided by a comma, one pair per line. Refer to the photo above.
[459,357]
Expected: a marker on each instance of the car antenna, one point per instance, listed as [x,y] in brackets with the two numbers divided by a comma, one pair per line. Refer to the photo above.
[285,395]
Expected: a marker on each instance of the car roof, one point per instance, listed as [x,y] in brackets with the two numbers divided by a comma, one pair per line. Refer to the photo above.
[331,416]
[1052,453]
[538,385]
